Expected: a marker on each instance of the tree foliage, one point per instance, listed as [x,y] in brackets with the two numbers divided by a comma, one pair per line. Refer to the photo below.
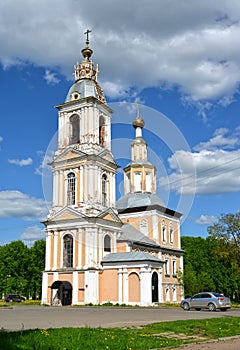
[21,268]
[213,263]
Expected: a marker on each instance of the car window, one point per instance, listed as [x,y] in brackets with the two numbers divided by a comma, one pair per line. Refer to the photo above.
[217,295]
[206,295]
[196,296]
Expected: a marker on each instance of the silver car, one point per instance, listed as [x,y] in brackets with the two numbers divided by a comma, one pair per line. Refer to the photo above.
[206,300]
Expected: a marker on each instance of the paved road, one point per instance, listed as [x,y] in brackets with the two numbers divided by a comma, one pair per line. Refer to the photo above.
[30,317]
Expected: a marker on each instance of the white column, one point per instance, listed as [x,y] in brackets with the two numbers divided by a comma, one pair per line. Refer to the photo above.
[61,188]
[55,250]
[45,288]
[120,286]
[79,262]
[146,286]
[81,184]
[125,286]
[48,250]
[75,288]
[160,287]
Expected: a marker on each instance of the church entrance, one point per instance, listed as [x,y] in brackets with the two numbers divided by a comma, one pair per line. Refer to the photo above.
[61,293]
[154,287]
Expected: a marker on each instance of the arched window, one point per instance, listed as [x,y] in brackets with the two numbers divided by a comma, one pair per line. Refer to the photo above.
[71,189]
[148,182]
[171,233]
[163,232]
[74,129]
[102,130]
[107,243]
[104,190]
[67,251]
[137,181]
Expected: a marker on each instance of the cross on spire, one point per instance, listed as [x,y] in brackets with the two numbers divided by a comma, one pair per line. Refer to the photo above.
[87,35]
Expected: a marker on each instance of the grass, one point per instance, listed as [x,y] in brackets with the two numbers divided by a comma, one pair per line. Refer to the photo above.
[156,335]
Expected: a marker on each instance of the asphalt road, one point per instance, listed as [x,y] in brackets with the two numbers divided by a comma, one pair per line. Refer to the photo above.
[42,317]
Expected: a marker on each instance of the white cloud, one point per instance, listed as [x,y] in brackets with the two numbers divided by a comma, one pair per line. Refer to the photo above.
[219,140]
[212,170]
[15,204]
[206,220]
[51,77]
[184,44]
[21,162]
[1,138]
[31,234]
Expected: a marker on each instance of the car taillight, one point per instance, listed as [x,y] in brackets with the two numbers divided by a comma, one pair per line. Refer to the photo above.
[221,299]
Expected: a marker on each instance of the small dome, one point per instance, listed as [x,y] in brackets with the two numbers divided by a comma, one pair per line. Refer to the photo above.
[138,122]
[85,88]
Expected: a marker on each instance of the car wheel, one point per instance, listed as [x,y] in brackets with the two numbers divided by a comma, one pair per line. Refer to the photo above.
[186,307]
[198,309]
[211,307]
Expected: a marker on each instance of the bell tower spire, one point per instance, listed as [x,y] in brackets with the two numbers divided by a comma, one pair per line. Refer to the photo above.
[139,174]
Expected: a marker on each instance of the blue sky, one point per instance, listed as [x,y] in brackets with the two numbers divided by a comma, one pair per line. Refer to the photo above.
[179,58]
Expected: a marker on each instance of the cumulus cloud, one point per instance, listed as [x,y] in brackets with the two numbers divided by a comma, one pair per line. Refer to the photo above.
[215,170]
[220,139]
[21,162]
[31,234]
[206,220]
[1,138]
[15,204]
[191,46]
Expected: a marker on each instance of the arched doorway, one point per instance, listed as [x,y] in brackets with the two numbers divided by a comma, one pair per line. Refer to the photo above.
[154,287]
[61,293]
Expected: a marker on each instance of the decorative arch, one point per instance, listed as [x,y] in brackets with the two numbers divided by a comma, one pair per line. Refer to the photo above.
[67,250]
[61,293]
[74,129]
[71,188]
[133,288]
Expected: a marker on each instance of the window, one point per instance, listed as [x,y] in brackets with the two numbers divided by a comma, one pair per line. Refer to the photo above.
[71,189]
[166,267]
[74,129]
[148,182]
[163,232]
[67,251]
[107,243]
[137,181]
[127,179]
[174,268]
[104,190]
[102,131]
[171,233]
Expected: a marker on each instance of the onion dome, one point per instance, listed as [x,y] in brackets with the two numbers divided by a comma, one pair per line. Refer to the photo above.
[138,122]
[85,74]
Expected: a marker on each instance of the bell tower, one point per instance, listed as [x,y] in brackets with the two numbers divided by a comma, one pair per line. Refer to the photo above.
[139,175]
[83,166]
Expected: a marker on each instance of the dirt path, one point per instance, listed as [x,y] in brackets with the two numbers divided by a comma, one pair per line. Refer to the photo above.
[231,343]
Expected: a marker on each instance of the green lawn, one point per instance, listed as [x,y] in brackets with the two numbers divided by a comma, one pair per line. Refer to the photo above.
[157,335]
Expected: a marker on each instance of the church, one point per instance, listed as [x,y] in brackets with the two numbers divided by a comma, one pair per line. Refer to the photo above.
[99,250]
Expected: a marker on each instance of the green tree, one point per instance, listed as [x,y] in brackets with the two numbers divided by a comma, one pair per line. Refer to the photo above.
[36,267]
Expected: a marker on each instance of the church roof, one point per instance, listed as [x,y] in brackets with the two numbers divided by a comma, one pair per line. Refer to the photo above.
[130,256]
[85,88]
[138,199]
[130,233]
